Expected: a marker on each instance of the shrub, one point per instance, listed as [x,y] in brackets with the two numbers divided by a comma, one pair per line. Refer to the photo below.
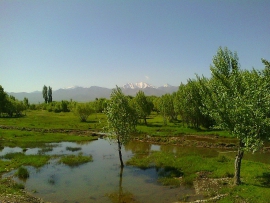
[83,111]
[22,173]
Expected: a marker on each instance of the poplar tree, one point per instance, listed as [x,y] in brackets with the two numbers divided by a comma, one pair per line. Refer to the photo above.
[49,95]
[45,93]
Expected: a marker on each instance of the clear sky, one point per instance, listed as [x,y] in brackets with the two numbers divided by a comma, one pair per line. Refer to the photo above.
[62,43]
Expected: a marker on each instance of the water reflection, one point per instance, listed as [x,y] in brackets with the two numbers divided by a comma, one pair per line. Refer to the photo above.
[121,196]
[137,147]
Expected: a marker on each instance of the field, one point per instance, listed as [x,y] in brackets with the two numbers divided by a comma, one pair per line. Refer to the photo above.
[40,127]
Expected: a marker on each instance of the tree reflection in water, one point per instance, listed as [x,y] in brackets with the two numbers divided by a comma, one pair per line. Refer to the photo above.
[121,196]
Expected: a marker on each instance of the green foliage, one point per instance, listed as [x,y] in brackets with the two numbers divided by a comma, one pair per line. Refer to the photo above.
[26,102]
[22,173]
[9,105]
[57,107]
[121,117]
[100,105]
[238,100]
[188,104]
[166,107]
[49,94]
[83,111]
[142,105]
[45,94]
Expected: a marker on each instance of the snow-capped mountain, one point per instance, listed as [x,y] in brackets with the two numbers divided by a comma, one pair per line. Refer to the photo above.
[167,85]
[143,85]
[139,85]
[82,94]
[71,87]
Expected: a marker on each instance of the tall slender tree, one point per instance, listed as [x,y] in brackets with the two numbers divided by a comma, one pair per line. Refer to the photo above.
[49,94]
[45,93]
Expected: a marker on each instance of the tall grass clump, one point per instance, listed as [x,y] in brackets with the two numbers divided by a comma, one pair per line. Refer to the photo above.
[22,173]
[73,160]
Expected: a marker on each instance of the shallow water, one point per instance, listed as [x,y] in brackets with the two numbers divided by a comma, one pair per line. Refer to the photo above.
[96,181]
[100,181]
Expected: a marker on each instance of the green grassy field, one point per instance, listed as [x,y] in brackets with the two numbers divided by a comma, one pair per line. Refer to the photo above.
[184,167]
[188,166]
[50,120]
[43,119]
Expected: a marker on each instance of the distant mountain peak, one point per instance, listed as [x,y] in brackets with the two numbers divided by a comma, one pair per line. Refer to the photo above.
[139,85]
[71,87]
[167,85]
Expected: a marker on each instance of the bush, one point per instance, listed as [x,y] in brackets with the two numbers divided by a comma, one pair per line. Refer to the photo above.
[22,173]
[83,111]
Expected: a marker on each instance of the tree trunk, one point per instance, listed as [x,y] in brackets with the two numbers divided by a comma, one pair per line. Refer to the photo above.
[145,122]
[120,153]
[237,164]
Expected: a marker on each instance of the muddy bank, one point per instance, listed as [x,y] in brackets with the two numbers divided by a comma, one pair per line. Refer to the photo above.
[20,196]
[193,141]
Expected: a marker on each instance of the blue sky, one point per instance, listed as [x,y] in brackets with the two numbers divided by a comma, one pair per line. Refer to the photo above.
[62,43]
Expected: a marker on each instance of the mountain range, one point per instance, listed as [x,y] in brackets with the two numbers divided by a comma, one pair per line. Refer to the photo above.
[83,94]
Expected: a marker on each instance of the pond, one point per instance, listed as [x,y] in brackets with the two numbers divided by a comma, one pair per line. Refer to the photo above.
[100,180]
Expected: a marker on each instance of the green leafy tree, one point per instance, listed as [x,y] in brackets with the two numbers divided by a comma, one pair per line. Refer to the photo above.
[49,94]
[3,100]
[188,103]
[156,103]
[83,111]
[45,93]
[238,101]
[121,118]
[26,102]
[143,106]
[14,106]
[166,108]
[65,106]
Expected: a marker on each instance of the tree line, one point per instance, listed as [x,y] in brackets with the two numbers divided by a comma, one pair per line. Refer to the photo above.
[232,99]
[10,106]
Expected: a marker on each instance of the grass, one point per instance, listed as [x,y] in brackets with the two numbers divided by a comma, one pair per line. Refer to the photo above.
[43,119]
[183,167]
[73,160]
[15,160]
[24,139]
[50,120]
